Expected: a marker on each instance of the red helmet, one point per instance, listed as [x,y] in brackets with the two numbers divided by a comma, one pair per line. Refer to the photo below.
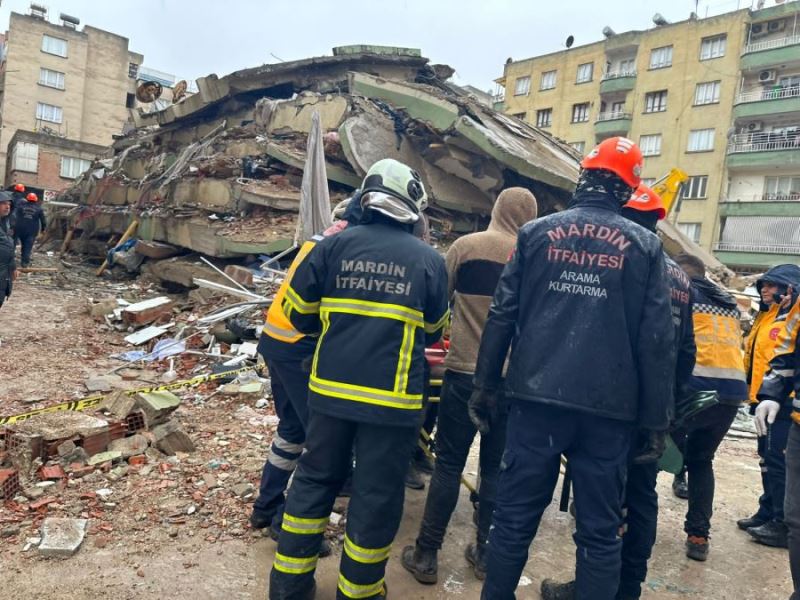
[32,197]
[18,187]
[618,155]
[646,200]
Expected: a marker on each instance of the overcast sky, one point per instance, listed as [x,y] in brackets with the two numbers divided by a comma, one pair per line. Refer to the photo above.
[192,38]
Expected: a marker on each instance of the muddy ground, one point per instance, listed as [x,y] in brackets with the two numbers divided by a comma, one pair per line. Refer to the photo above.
[50,345]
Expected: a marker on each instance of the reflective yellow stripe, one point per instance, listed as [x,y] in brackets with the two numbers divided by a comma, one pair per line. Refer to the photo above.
[404,364]
[325,319]
[294,566]
[373,309]
[304,526]
[346,391]
[352,590]
[300,305]
[363,555]
[434,327]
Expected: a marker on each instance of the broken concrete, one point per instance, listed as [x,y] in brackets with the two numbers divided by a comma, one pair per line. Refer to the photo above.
[62,537]
[156,406]
[129,446]
[171,439]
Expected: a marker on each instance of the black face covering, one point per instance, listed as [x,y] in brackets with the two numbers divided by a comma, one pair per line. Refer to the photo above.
[647,219]
[604,182]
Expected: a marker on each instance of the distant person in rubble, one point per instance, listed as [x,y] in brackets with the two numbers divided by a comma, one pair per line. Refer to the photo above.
[377,296]
[584,307]
[778,289]
[28,221]
[474,264]
[719,366]
[8,266]
[288,353]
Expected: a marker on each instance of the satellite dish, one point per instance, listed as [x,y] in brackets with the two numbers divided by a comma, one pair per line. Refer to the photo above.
[149,91]
[570,41]
[179,91]
[509,60]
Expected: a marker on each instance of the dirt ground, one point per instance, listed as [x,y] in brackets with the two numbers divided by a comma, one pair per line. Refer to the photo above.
[141,550]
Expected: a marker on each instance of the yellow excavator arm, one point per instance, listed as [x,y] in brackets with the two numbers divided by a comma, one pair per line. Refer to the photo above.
[669,186]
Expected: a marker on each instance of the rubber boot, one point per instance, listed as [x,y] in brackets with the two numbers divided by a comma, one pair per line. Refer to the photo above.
[679,486]
[476,557]
[772,533]
[421,563]
[552,590]
[750,522]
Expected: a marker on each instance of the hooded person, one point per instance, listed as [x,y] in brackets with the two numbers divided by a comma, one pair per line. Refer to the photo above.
[376,296]
[8,265]
[583,305]
[474,265]
[767,525]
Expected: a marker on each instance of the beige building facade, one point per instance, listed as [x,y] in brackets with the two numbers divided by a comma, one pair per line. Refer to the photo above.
[66,81]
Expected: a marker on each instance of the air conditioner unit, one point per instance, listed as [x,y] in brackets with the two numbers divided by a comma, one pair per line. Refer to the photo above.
[755,126]
[767,76]
[775,26]
[758,30]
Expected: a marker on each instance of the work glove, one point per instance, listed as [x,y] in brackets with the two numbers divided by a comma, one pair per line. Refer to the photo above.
[653,447]
[766,413]
[481,408]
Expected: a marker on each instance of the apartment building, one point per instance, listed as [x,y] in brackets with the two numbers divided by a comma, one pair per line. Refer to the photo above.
[688,93]
[66,90]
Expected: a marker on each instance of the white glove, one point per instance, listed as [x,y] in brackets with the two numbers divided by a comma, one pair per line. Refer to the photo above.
[766,412]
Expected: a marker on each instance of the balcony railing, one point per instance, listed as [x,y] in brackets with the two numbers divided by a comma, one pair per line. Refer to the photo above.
[764,142]
[771,44]
[618,74]
[790,197]
[792,91]
[613,116]
[765,248]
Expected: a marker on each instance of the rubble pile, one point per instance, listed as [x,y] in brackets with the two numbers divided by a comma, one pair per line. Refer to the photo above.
[220,173]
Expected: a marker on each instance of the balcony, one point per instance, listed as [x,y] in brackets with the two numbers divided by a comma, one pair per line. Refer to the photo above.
[756,256]
[622,81]
[762,205]
[766,102]
[768,53]
[768,149]
[612,123]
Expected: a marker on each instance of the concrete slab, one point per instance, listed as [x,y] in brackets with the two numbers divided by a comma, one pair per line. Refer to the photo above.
[62,537]
[61,425]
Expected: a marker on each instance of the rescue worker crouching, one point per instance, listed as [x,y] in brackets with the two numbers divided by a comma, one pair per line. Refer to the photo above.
[584,306]
[376,295]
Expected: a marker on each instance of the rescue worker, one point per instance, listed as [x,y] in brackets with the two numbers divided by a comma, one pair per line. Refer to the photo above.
[474,264]
[287,354]
[641,498]
[29,220]
[17,196]
[377,296]
[584,306]
[719,366]
[781,388]
[766,526]
[8,265]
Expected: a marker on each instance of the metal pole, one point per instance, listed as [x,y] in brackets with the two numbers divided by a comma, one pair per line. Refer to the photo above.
[225,275]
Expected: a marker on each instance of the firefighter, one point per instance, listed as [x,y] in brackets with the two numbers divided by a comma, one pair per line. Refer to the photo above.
[8,266]
[766,526]
[584,306]
[781,389]
[28,220]
[641,498]
[376,295]
[287,354]
[17,195]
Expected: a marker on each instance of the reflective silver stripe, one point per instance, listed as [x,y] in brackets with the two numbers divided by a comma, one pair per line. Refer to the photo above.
[367,556]
[719,373]
[285,464]
[304,526]
[372,309]
[784,372]
[352,590]
[300,305]
[280,331]
[369,395]
[791,325]
[291,447]
[796,404]
[294,566]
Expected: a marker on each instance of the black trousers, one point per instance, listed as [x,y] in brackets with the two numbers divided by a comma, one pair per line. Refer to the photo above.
[641,522]
[791,505]
[382,454]
[453,440]
[698,441]
[772,452]
[26,240]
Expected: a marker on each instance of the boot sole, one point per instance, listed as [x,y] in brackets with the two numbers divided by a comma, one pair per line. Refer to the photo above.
[697,557]
[770,543]
[426,578]
[479,574]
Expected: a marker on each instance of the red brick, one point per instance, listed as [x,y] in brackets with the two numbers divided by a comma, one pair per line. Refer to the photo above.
[135,421]
[240,274]
[40,503]
[9,483]
[94,444]
[139,459]
[52,472]
[149,315]
[77,470]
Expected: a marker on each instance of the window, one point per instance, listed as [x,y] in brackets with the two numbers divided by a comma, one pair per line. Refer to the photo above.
[520,116]
[548,80]
[544,117]
[584,73]
[522,86]
[691,230]
[72,167]
[650,145]
[655,101]
[701,140]
[580,112]
[695,188]
[713,47]
[627,66]
[789,81]
[660,58]
[130,101]
[48,112]
[706,93]
[133,70]
[579,146]
[53,45]
[25,157]
[782,188]
[54,79]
